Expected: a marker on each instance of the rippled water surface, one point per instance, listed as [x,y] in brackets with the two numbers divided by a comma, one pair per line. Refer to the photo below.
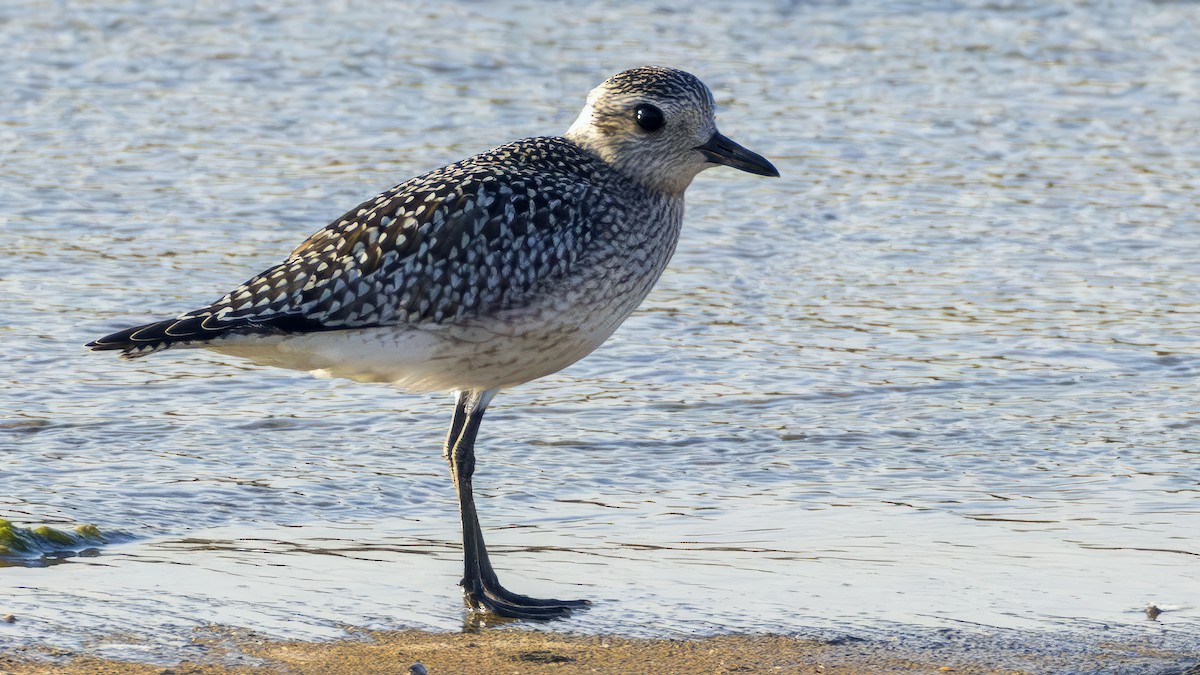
[942,374]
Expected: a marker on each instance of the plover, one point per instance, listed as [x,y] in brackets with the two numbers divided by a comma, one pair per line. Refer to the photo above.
[482,275]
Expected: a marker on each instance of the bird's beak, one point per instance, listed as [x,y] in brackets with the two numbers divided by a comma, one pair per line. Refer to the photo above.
[721,150]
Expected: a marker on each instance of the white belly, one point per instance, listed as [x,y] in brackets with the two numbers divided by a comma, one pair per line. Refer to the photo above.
[495,353]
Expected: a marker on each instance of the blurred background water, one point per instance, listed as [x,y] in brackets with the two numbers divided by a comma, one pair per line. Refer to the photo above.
[941,375]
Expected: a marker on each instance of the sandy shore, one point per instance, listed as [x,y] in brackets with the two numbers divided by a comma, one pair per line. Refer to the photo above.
[501,652]
[523,651]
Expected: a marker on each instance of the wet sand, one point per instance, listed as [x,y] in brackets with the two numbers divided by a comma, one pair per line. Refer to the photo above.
[523,651]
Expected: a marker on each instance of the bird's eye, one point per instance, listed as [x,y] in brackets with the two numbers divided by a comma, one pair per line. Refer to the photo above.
[649,118]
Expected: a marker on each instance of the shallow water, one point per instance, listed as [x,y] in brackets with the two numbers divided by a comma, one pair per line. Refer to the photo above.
[941,375]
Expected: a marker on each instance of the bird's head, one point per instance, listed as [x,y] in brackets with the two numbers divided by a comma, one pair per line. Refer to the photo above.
[658,126]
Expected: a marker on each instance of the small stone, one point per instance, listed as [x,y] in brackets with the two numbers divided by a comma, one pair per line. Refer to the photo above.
[418,668]
[8,618]
[1152,612]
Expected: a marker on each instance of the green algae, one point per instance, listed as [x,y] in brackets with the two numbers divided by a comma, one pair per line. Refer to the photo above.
[18,541]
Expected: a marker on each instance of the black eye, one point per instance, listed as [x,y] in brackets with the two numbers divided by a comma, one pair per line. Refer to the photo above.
[649,118]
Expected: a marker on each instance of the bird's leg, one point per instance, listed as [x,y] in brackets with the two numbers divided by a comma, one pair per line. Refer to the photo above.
[481,587]
[456,425]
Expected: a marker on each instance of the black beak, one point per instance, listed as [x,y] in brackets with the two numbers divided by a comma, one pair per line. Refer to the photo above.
[721,150]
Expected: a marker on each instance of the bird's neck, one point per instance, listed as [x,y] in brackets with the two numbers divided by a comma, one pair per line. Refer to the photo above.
[591,140]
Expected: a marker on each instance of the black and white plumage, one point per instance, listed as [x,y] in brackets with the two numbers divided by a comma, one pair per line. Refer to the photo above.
[484,274]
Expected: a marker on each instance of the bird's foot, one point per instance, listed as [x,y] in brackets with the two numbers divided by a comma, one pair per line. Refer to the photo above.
[495,599]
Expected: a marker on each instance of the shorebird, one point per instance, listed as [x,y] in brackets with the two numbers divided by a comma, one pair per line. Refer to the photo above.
[482,275]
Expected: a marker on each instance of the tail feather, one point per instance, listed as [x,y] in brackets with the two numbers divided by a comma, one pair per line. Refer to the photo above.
[152,337]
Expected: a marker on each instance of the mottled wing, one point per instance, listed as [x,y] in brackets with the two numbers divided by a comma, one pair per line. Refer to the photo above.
[478,236]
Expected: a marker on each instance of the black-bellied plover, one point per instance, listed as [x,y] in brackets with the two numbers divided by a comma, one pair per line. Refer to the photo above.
[500,269]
